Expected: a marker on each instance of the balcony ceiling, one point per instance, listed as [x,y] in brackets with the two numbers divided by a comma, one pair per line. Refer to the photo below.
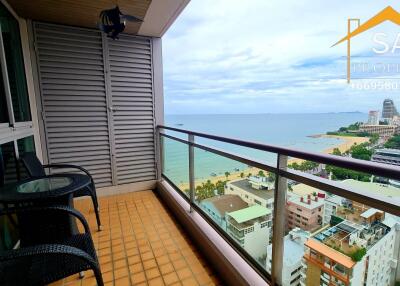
[158,15]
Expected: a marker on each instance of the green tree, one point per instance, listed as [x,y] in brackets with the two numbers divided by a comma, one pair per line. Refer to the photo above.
[241,175]
[343,174]
[303,166]
[271,176]
[336,152]
[361,152]
[249,175]
[393,143]
[205,190]
[373,139]
[358,254]
[220,187]
[227,174]
[261,173]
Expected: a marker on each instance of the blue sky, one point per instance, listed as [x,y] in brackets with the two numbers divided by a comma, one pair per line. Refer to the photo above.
[258,56]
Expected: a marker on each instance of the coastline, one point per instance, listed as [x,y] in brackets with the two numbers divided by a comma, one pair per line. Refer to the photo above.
[348,142]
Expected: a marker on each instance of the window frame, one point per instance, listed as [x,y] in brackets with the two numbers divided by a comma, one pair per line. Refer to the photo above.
[11,130]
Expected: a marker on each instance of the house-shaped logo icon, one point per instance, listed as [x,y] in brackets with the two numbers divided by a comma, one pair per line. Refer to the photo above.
[387,14]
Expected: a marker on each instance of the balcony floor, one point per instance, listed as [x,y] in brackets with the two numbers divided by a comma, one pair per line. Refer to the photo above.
[141,244]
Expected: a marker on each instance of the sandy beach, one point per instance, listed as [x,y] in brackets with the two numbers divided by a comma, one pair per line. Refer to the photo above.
[342,146]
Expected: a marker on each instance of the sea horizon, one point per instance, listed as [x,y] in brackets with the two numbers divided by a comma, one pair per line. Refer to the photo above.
[291,130]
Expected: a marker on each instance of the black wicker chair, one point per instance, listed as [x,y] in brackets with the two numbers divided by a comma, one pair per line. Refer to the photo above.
[36,169]
[55,258]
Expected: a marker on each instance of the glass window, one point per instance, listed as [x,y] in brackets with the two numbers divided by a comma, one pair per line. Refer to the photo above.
[8,235]
[9,163]
[15,68]
[3,103]
[24,145]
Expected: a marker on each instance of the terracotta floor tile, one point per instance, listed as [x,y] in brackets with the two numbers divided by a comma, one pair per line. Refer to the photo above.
[203,279]
[147,256]
[119,255]
[108,276]
[190,282]
[91,281]
[166,268]
[138,278]
[122,282]
[119,273]
[156,282]
[152,273]
[149,264]
[121,263]
[162,260]
[179,264]
[141,244]
[132,251]
[170,278]
[134,259]
[184,273]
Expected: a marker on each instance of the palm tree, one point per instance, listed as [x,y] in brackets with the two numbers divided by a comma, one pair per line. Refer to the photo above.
[227,174]
[261,173]
[241,175]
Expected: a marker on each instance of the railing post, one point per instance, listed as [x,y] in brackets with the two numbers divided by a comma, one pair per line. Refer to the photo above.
[159,146]
[279,221]
[191,171]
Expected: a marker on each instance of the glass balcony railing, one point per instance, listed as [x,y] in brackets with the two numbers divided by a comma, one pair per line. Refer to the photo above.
[291,225]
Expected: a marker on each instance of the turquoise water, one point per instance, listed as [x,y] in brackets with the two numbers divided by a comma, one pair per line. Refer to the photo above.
[287,130]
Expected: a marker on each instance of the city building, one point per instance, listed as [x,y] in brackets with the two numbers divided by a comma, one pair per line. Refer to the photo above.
[382,130]
[373,117]
[331,204]
[388,110]
[305,212]
[387,156]
[217,207]
[356,248]
[252,191]
[293,246]
[396,120]
[251,228]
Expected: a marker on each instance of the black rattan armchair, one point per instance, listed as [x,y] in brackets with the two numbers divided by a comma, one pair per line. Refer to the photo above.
[55,258]
[36,169]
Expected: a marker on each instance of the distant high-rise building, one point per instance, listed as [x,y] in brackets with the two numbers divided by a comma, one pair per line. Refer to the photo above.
[389,109]
[373,117]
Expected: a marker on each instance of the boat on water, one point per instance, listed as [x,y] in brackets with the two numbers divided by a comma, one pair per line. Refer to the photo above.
[213,175]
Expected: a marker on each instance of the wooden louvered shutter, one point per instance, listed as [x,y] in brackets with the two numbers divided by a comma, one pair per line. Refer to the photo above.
[130,64]
[97,102]
[71,72]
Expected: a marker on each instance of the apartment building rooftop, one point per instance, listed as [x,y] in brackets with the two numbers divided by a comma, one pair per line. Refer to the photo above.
[247,217]
[249,213]
[388,151]
[373,188]
[330,252]
[303,190]
[226,203]
[294,251]
[308,202]
[246,186]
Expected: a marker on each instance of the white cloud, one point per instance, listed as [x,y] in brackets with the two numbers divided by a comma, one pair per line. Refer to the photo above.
[235,56]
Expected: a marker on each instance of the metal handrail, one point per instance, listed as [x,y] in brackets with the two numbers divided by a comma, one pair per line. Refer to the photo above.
[377,169]
[282,173]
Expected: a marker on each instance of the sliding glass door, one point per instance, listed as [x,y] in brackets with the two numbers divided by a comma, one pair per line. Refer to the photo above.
[16,135]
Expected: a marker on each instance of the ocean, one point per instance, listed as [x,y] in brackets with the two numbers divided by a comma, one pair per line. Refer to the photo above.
[287,130]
